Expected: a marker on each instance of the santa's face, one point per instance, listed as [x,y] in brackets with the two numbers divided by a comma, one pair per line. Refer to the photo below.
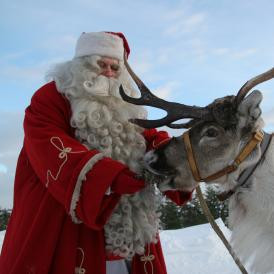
[93,76]
[109,67]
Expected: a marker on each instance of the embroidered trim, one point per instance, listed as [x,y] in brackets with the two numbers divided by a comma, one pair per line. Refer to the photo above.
[109,191]
[148,258]
[81,177]
[154,145]
[80,269]
[64,151]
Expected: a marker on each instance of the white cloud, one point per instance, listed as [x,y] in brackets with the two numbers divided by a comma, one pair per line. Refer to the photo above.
[269,117]
[220,51]
[244,53]
[30,74]
[267,91]
[6,193]
[235,53]
[141,66]
[11,139]
[14,55]
[174,14]
[185,24]
[195,20]
[59,44]
[26,74]
[3,168]
[166,91]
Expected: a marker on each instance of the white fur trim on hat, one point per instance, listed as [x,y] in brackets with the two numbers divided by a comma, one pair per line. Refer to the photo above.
[100,43]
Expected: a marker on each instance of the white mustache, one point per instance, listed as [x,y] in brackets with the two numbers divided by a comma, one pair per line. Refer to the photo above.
[102,86]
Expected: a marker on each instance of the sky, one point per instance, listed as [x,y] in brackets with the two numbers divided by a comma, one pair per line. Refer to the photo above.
[185,51]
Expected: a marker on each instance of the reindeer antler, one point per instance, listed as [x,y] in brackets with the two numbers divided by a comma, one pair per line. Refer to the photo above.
[252,83]
[175,111]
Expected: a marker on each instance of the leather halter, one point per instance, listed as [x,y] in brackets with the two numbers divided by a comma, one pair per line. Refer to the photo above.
[245,177]
[256,139]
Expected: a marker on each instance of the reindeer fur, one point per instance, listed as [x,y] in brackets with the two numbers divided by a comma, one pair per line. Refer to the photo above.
[251,208]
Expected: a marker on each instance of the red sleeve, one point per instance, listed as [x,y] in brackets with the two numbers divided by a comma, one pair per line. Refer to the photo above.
[58,159]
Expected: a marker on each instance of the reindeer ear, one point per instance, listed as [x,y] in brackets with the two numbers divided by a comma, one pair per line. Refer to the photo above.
[249,109]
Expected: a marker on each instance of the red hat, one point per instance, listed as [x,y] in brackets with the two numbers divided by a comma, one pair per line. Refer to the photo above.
[109,44]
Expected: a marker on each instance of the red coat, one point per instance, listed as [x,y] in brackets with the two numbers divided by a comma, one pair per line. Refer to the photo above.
[41,237]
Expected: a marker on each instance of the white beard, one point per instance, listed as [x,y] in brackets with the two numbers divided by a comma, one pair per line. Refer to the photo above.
[101,122]
[100,118]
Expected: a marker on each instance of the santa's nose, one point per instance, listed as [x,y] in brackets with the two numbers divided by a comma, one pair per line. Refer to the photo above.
[108,72]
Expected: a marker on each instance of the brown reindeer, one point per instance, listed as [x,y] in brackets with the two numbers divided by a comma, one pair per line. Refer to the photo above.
[225,145]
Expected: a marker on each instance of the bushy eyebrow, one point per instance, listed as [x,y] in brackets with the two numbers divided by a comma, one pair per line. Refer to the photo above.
[114,67]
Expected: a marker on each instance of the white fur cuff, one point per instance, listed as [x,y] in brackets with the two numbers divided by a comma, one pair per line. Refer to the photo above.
[81,177]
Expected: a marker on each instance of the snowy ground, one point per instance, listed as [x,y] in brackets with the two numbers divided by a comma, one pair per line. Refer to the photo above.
[2,234]
[193,250]
[197,250]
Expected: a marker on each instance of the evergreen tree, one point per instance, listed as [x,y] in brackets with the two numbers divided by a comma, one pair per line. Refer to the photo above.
[217,208]
[4,218]
[171,217]
[192,213]
[174,217]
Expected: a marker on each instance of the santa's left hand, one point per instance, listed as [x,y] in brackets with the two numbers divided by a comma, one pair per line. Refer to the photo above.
[127,183]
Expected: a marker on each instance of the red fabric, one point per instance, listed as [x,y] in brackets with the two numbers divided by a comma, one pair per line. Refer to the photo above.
[127,183]
[41,237]
[155,266]
[179,197]
[155,138]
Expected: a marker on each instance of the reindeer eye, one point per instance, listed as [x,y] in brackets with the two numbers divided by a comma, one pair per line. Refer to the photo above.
[211,132]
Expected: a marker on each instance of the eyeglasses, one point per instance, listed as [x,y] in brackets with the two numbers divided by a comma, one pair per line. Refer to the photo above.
[105,65]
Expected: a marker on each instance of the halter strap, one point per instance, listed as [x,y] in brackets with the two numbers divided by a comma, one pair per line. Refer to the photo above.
[256,138]
[245,176]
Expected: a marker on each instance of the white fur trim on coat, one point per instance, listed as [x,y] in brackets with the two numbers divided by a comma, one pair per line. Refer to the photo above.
[82,176]
[100,43]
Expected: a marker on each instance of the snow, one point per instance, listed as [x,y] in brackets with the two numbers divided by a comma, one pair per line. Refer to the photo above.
[2,234]
[196,250]
[193,250]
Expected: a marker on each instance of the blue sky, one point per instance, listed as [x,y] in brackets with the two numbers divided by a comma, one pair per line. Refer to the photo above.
[187,51]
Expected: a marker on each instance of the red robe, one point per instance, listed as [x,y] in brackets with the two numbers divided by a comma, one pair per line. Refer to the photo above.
[41,236]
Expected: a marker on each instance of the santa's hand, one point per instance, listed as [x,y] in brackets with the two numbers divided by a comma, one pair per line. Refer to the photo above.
[127,183]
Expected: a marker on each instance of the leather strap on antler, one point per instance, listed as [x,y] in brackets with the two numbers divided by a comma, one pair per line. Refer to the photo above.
[257,138]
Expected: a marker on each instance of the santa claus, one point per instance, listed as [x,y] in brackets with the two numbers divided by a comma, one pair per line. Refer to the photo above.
[78,205]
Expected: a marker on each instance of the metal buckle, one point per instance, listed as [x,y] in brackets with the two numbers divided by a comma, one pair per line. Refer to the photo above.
[236,164]
[259,135]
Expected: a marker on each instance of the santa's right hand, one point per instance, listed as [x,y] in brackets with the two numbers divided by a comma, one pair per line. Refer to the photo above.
[127,183]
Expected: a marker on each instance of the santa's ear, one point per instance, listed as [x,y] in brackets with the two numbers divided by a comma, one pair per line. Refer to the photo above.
[249,109]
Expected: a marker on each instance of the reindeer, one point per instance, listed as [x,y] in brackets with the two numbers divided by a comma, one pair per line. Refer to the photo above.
[225,145]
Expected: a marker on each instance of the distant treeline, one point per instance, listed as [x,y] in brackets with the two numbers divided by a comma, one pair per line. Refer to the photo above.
[4,218]
[174,217]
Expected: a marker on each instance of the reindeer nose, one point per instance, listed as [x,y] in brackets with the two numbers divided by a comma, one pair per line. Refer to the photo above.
[150,158]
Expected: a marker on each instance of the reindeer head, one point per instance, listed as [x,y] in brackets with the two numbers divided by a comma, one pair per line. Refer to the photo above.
[218,133]
[215,144]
